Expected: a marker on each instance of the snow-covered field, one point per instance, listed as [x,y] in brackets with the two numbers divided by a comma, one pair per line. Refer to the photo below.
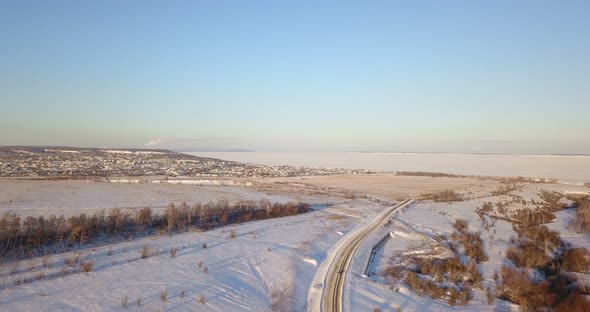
[73,197]
[414,227]
[271,265]
[268,266]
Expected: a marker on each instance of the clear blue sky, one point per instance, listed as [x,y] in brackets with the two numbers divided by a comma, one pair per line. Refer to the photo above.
[448,76]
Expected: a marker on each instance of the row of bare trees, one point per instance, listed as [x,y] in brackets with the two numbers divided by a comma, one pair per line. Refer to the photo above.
[25,237]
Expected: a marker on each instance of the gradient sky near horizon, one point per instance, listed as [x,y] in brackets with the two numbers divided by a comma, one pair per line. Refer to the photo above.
[429,76]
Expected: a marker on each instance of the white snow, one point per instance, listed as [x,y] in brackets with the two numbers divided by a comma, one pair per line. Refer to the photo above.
[268,266]
[37,198]
[271,265]
[414,226]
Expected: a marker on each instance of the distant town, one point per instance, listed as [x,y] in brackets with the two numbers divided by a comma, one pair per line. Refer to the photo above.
[71,162]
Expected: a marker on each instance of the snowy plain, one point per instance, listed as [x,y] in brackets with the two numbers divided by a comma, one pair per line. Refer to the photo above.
[271,265]
[35,198]
[268,266]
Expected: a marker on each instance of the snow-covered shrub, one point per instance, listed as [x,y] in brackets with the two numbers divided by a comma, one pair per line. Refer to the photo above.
[573,302]
[87,266]
[581,223]
[558,291]
[517,287]
[490,295]
[552,201]
[470,241]
[446,278]
[460,225]
[575,260]
[487,207]
[529,217]
[528,255]
[144,251]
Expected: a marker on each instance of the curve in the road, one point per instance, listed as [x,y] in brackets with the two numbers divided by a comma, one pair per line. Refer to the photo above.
[334,283]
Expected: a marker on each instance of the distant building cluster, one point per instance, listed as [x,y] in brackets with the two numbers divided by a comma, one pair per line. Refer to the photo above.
[67,162]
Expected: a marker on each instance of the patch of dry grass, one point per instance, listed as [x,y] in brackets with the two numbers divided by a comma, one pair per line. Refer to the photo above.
[506,188]
[336,217]
[460,225]
[145,251]
[575,260]
[87,266]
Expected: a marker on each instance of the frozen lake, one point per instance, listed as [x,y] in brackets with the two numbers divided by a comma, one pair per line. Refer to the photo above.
[566,168]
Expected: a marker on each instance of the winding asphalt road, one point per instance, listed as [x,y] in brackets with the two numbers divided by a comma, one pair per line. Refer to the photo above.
[334,282]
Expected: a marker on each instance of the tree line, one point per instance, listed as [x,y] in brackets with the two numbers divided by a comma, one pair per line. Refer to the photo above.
[27,237]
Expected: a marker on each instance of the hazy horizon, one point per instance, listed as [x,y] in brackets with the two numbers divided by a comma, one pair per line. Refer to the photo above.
[294,151]
[564,168]
[502,77]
